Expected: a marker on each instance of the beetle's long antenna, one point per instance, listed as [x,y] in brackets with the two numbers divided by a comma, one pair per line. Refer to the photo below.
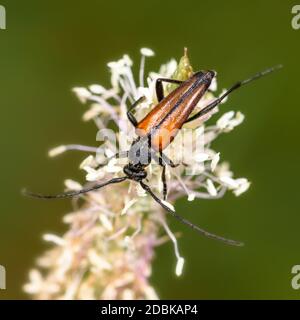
[73,193]
[188,223]
[237,85]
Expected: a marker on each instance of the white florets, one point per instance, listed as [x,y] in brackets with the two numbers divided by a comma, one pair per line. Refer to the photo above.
[115,260]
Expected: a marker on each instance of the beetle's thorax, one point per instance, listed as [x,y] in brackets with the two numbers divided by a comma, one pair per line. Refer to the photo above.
[140,151]
[139,158]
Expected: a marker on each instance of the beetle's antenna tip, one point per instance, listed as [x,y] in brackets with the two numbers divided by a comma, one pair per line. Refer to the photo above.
[24,192]
[188,223]
[27,193]
[276,67]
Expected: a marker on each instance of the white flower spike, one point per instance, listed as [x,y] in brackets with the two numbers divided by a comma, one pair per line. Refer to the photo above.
[113,232]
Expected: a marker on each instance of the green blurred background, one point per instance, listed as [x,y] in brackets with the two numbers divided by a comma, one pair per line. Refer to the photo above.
[51,46]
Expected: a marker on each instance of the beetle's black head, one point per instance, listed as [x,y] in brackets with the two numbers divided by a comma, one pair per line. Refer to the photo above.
[135,172]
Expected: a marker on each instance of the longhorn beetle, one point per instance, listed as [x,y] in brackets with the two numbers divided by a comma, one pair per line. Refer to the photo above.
[157,130]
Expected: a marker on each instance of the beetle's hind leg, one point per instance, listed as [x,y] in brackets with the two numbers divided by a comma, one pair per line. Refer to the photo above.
[130,115]
[160,89]
[237,85]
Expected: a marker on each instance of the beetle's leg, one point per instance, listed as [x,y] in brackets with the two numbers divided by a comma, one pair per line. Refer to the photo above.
[205,110]
[168,161]
[237,85]
[130,116]
[164,181]
[159,160]
[163,161]
[160,89]
[163,175]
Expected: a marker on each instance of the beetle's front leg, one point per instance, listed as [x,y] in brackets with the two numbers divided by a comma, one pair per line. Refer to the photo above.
[130,115]
[160,89]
